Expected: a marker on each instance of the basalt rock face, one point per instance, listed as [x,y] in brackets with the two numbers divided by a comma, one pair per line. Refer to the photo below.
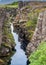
[8,10]
[23,35]
[22,4]
[5,14]
[19,28]
[29,45]
[7,44]
[39,34]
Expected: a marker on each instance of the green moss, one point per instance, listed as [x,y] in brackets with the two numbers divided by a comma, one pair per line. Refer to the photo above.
[30,25]
[39,56]
[32,21]
[30,34]
[6,45]
[8,40]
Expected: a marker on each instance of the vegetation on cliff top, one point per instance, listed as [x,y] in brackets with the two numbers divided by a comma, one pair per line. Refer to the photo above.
[12,5]
[39,56]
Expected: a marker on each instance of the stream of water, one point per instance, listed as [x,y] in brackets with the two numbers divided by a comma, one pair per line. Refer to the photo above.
[19,58]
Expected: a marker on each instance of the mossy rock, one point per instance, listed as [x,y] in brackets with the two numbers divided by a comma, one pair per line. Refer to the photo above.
[1,61]
[6,45]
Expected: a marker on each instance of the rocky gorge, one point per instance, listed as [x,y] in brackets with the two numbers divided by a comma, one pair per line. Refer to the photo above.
[28,25]
[28,22]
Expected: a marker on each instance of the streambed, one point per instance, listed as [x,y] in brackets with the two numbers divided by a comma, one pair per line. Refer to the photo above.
[19,58]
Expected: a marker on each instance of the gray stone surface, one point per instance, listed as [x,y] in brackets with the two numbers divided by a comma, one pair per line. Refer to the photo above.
[39,34]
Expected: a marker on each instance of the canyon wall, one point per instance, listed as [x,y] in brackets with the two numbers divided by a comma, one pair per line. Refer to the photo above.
[39,34]
[5,15]
[30,45]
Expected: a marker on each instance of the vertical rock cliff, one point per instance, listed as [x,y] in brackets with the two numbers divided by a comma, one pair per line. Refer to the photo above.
[39,34]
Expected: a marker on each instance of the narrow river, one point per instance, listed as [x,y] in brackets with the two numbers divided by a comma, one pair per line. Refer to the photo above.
[19,58]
